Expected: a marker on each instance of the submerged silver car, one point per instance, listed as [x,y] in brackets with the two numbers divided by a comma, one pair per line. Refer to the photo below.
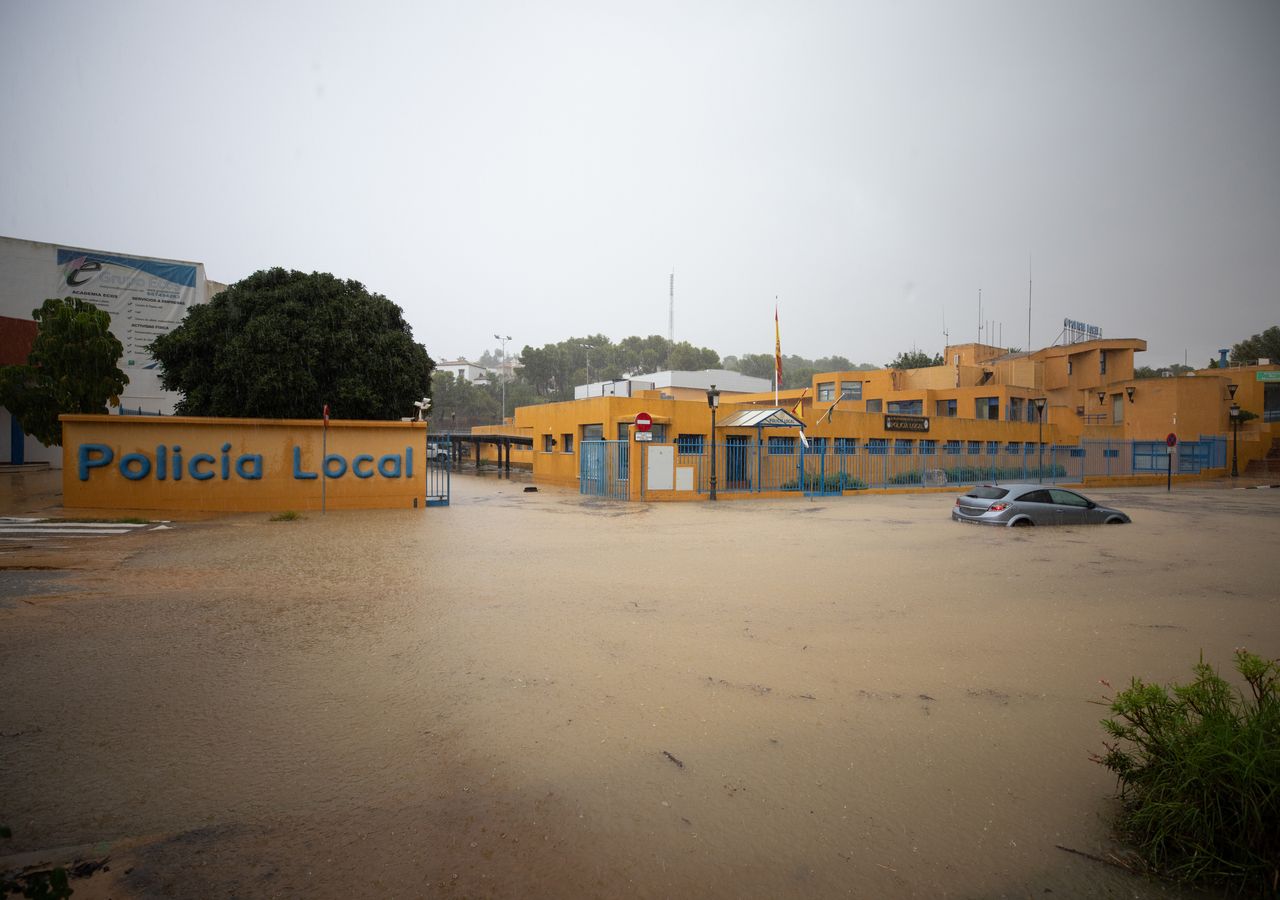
[1031,504]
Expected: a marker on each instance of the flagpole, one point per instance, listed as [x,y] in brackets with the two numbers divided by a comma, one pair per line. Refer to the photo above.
[777,353]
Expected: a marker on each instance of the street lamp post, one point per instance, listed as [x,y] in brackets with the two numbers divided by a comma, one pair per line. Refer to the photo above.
[1235,429]
[1040,402]
[588,348]
[713,401]
[502,374]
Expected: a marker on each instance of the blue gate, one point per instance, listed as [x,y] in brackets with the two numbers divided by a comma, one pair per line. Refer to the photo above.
[437,479]
[603,469]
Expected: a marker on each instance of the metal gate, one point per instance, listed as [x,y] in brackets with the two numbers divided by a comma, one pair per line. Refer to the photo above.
[603,469]
[437,478]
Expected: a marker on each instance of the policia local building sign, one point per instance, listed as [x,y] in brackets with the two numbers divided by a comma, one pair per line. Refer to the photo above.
[241,465]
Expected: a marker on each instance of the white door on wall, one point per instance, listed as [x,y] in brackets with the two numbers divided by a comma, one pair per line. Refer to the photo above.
[661,469]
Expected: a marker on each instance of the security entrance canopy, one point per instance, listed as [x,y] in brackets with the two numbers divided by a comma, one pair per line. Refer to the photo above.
[773,417]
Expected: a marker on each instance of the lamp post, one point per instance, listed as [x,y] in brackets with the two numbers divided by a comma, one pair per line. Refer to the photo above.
[588,348]
[502,374]
[1235,429]
[713,401]
[1040,402]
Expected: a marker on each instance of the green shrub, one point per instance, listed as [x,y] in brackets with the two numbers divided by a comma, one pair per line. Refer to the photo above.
[1198,771]
[288,515]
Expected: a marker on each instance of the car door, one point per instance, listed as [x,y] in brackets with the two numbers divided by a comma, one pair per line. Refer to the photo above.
[1073,509]
[1039,506]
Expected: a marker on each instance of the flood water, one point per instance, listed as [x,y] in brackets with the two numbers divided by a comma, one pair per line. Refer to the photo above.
[540,695]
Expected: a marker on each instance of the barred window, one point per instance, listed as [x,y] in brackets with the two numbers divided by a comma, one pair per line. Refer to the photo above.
[903,446]
[689,444]
[826,391]
[878,446]
[782,446]
[846,446]
[928,448]
[953,448]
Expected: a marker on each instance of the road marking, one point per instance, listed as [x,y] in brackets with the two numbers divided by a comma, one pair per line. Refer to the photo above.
[14,528]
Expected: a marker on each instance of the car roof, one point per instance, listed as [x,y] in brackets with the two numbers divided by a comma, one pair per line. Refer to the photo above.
[1021,487]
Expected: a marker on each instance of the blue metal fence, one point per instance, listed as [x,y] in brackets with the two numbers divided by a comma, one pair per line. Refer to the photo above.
[834,466]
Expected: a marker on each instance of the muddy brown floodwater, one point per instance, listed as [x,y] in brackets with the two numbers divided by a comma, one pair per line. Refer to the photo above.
[538,695]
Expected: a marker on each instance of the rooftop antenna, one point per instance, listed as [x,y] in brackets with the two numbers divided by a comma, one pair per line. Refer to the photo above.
[979,315]
[1028,347]
[671,315]
[946,335]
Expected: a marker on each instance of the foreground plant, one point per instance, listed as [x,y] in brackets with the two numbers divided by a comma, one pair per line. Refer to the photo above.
[1198,770]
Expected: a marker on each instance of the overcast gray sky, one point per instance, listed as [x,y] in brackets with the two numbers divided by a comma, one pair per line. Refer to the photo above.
[539,169]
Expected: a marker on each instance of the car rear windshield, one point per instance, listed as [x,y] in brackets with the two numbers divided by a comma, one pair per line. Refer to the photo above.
[987,493]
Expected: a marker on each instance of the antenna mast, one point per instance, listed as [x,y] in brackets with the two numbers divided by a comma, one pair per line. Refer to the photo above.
[671,315]
[979,315]
[1028,347]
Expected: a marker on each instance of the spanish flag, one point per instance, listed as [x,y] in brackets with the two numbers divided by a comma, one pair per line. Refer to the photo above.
[777,352]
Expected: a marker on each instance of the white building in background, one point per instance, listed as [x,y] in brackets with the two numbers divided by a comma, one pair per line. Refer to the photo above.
[725,380]
[466,370]
[145,297]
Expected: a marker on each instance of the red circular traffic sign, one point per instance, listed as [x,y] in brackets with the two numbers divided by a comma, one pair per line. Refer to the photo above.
[644,421]
[1171,440]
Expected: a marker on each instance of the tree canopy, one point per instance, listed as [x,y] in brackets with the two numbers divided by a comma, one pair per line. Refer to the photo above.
[914,359]
[1261,346]
[72,368]
[553,369]
[282,344]
[797,371]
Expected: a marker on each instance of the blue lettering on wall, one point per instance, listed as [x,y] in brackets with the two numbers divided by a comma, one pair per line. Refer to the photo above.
[389,466]
[249,466]
[86,459]
[193,467]
[167,463]
[359,472]
[135,466]
[298,471]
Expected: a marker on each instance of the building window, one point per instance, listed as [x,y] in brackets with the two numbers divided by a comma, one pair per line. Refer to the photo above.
[689,444]
[817,445]
[903,446]
[846,446]
[851,390]
[659,432]
[548,443]
[782,446]
[593,432]
[1015,409]
[975,447]
[874,405]
[878,446]
[1031,410]
[1102,362]
[952,448]
[1110,453]
[906,407]
[946,408]
[568,443]
[1075,452]
[928,448]
[1013,447]
[826,390]
[1069,367]
[993,447]
[986,408]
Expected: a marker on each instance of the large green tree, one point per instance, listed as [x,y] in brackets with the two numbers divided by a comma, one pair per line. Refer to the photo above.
[282,344]
[1260,346]
[553,370]
[72,368]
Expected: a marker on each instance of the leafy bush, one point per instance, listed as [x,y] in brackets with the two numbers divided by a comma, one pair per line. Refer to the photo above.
[1198,769]
[832,481]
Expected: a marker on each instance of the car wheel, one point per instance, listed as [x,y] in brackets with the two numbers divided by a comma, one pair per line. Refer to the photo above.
[1023,523]
[1114,521]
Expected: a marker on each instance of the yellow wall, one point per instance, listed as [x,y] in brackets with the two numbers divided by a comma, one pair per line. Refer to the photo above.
[263,467]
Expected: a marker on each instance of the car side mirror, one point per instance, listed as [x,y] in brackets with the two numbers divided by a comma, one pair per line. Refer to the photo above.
[1092,505]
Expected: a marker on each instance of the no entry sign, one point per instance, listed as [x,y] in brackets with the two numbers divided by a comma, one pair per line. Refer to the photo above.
[1171,440]
[644,421]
